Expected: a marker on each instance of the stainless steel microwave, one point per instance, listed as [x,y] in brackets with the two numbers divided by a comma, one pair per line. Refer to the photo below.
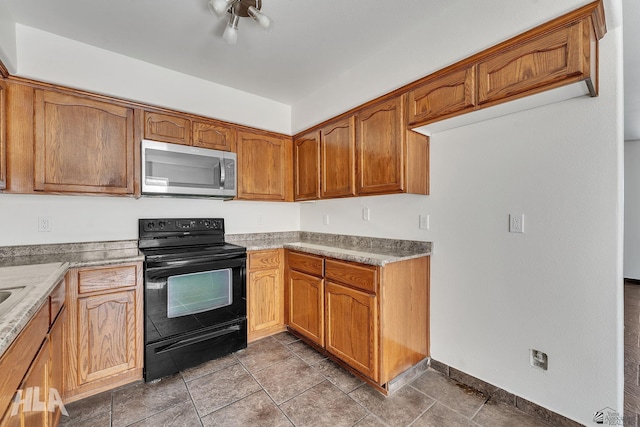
[180,170]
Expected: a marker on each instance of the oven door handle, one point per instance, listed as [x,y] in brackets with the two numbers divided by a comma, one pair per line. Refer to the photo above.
[190,341]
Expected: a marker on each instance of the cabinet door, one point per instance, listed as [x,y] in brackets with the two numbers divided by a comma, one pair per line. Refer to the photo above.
[306,305]
[107,335]
[540,63]
[82,145]
[380,148]
[306,164]
[104,345]
[352,328]
[443,96]
[264,300]
[214,136]
[57,366]
[264,167]
[3,133]
[36,382]
[338,146]
[167,128]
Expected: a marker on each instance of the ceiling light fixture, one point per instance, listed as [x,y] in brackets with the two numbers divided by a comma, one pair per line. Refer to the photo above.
[239,9]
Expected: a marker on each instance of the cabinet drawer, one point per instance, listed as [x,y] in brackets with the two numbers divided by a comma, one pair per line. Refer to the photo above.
[104,279]
[310,264]
[359,276]
[263,259]
[56,301]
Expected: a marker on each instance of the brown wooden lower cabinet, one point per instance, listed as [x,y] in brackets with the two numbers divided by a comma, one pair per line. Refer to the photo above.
[105,328]
[56,373]
[352,325]
[265,293]
[306,305]
[372,319]
[37,383]
[32,369]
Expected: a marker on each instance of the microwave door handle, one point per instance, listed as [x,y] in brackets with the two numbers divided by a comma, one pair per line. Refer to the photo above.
[222,172]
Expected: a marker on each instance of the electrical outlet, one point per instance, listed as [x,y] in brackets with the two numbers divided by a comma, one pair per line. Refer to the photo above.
[366,214]
[44,224]
[516,223]
[424,222]
[538,359]
[260,220]
[325,219]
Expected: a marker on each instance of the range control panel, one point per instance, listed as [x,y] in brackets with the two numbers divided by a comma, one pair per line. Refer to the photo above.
[182,224]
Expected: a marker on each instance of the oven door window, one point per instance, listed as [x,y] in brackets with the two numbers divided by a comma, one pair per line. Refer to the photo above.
[198,292]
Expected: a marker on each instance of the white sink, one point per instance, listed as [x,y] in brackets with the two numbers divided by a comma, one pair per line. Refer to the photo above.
[10,296]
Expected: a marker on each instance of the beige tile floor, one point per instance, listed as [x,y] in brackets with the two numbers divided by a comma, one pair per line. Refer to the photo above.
[280,381]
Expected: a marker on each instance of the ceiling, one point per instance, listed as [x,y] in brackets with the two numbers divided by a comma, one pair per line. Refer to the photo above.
[310,43]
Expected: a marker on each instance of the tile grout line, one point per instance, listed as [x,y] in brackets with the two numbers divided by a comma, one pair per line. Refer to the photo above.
[191,398]
[269,395]
[423,412]
[447,406]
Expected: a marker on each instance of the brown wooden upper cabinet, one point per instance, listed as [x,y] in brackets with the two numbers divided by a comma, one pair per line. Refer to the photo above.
[380,148]
[338,154]
[167,128]
[183,130]
[3,127]
[306,166]
[82,145]
[443,95]
[324,162]
[562,56]
[214,136]
[264,167]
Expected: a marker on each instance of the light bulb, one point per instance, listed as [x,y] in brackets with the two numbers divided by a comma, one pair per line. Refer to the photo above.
[219,7]
[263,20]
[230,34]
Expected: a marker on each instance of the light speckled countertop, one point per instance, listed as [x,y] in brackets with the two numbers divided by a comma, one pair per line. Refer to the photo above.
[41,279]
[365,250]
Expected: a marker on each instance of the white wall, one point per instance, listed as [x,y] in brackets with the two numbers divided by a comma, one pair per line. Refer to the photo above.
[632,210]
[556,288]
[86,218]
[51,58]
[8,55]
[395,216]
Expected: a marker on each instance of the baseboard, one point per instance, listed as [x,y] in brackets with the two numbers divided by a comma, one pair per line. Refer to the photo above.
[497,394]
